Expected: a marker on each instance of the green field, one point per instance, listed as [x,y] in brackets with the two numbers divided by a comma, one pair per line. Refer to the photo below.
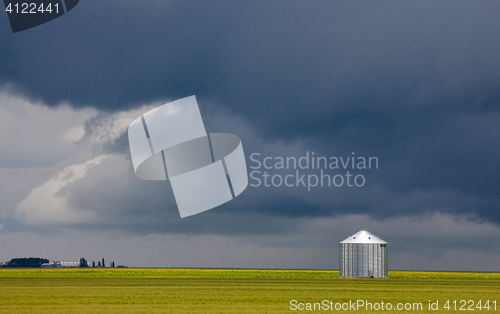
[144,290]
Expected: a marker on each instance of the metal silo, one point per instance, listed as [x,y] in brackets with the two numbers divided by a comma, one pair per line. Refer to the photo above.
[363,255]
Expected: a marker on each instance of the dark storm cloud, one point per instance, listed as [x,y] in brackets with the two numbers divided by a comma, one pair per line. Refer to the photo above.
[115,54]
[123,201]
[415,84]
[298,60]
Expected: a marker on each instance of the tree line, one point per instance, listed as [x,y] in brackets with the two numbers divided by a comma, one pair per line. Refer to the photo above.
[85,263]
[25,262]
[38,261]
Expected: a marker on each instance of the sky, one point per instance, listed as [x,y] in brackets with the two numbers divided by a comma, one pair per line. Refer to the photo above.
[414,84]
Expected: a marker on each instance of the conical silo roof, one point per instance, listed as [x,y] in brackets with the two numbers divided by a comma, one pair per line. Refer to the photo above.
[363,236]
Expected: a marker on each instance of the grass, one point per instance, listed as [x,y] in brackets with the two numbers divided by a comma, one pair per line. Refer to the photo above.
[138,290]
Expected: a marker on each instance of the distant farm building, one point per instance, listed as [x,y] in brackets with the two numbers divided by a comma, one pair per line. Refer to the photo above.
[51,265]
[60,264]
[363,255]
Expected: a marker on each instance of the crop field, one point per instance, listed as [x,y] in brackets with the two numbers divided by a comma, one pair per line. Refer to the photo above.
[147,290]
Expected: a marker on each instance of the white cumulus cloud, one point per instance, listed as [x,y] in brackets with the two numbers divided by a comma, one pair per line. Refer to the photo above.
[47,204]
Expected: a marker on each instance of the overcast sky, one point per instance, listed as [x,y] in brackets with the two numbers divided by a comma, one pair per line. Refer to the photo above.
[415,84]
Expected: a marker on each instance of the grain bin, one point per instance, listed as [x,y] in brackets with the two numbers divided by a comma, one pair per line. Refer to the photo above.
[363,255]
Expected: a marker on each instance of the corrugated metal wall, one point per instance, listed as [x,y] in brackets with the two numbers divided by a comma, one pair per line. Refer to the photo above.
[363,260]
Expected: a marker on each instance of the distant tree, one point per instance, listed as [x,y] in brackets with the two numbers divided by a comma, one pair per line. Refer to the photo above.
[93,264]
[103,265]
[26,262]
[98,264]
[83,262]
